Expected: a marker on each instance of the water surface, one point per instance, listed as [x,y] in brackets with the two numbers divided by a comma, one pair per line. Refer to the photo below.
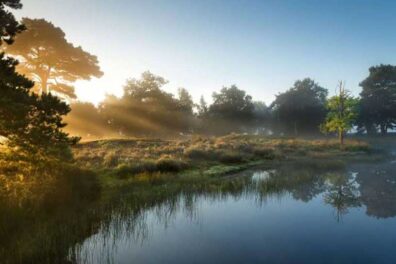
[285,215]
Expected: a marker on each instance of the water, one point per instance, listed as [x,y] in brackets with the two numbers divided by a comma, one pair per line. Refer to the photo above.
[288,214]
[275,216]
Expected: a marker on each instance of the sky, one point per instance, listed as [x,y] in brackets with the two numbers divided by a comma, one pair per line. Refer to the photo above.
[261,46]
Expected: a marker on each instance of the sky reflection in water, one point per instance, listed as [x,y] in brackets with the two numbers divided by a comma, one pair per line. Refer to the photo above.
[276,216]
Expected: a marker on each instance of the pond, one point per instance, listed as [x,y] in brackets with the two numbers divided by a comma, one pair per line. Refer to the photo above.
[289,214]
[273,216]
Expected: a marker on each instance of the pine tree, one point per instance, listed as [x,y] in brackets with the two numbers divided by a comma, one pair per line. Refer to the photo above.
[30,125]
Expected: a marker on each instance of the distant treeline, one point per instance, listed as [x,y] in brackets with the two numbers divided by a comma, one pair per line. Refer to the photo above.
[145,109]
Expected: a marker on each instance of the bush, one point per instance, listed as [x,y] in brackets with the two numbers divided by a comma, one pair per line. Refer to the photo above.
[110,160]
[75,183]
[161,165]
[264,153]
[230,158]
[199,154]
[140,167]
[170,165]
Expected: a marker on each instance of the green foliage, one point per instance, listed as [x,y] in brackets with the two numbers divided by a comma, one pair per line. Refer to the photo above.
[147,166]
[125,170]
[231,111]
[232,103]
[52,62]
[378,103]
[202,107]
[342,113]
[301,109]
[264,153]
[197,153]
[230,157]
[170,165]
[147,110]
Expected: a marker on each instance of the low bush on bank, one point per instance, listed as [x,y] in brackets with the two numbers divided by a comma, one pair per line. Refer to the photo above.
[125,170]
[161,165]
[170,165]
[196,153]
[264,153]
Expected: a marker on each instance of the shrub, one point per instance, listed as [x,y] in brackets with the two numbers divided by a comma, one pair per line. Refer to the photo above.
[110,160]
[170,165]
[75,183]
[142,166]
[245,148]
[161,165]
[198,154]
[230,157]
[265,153]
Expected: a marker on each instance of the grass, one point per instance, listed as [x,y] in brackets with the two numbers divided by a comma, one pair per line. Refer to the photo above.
[126,160]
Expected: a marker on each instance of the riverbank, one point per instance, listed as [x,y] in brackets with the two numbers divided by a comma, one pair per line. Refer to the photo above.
[47,232]
[125,161]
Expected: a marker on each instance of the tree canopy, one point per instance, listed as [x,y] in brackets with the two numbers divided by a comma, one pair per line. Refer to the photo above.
[49,60]
[231,111]
[342,113]
[301,109]
[30,124]
[378,99]
[146,109]
[231,103]
[8,24]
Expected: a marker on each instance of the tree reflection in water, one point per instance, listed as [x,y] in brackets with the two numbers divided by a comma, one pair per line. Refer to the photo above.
[342,193]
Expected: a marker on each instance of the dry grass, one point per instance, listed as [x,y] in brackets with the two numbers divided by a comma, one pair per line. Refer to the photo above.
[134,156]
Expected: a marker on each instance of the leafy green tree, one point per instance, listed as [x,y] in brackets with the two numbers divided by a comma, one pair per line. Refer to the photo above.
[301,109]
[49,60]
[185,101]
[145,109]
[378,99]
[202,107]
[29,124]
[231,111]
[342,113]
[232,103]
